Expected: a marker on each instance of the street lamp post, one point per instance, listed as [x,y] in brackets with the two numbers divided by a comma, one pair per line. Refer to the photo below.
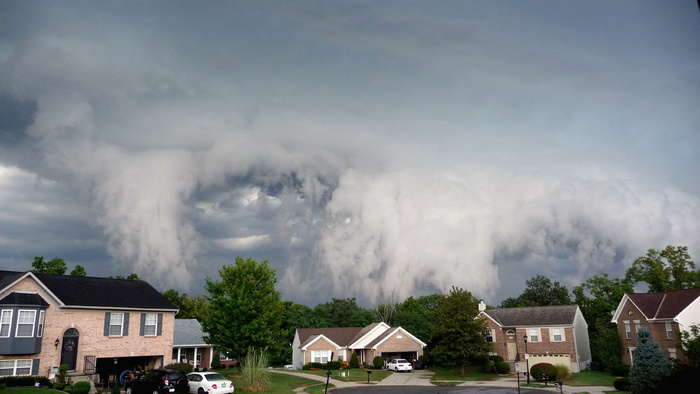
[527,361]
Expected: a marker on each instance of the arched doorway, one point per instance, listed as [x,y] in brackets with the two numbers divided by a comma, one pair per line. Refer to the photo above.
[69,350]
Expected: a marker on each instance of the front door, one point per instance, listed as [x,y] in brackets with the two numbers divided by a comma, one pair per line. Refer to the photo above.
[512,350]
[69,350]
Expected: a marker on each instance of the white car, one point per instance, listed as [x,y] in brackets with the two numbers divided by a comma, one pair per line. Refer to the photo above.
[209,382]
[399,365]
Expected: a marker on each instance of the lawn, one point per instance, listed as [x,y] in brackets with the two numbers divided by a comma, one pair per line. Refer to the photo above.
[454,375]
[279,383]
[30,390]
[352,375]
[590,378]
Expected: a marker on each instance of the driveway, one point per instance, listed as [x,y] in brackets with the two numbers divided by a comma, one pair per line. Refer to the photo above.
[419,377]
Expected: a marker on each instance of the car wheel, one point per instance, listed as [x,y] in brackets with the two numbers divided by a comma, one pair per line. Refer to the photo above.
[201,391]
[156,391]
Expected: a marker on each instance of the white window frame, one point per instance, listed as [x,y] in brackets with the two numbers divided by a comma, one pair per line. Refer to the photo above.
[24,321]
[223,357]
[669,330]
[320,355]
[637,327]
[150,325]
[13,365]
[628,330]
[490,334]
[672,353]
[112,324]
[533,333]
[6,322]
[557,332]
[40,327]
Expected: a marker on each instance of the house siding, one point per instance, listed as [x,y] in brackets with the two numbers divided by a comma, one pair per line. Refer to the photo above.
[90,326]
[399,345]
[320,344]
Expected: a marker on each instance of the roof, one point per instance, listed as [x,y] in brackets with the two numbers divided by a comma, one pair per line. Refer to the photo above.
[92,292]
[188,332]
[533,316]
[342,336]
[17,298]
[665,304]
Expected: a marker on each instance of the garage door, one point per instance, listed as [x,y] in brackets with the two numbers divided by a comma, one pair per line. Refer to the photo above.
[554,359]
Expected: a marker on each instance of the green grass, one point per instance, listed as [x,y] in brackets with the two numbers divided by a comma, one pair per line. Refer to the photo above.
[279,383]
[352,375]
[446,376]
[590,378]
[317,389]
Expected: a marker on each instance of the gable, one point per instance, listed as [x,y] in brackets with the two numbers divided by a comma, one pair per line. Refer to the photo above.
[394,333]
[533,316]
[658,306]
[342,336]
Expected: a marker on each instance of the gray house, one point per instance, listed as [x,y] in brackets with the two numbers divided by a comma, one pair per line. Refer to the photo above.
[189,345]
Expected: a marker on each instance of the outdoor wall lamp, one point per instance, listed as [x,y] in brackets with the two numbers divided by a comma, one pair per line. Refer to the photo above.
[56,343]
[527,360]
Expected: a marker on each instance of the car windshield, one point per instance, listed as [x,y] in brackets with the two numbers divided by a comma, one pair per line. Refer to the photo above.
[214,376]
[401,361]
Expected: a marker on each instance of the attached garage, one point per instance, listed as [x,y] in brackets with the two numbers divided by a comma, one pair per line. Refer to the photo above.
[554,359]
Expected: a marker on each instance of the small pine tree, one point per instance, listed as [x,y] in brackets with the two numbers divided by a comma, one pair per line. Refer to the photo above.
[353,361]
[649,366]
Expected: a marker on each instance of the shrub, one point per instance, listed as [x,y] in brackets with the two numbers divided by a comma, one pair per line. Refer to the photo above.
[563,372]
[254,374]
[620,369]
[306,367]
[116,389]
[378,362]
[316,365]
[353,361]
[543,371]
[488,367]
[333,365]
[496,358]
[184,367]
[24,381]
[68,389]
[622,384]
[216,362]
[81,388]
[502,367]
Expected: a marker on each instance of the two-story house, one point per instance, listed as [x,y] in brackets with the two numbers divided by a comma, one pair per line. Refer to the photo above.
[95,325]
[542,334]
[665,314]
[377,339]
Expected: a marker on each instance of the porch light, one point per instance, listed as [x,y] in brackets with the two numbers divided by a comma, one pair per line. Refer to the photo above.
[56,343]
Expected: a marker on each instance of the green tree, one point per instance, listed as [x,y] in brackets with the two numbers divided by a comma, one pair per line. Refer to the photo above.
[245,309]
[541,291]
[418,315]
[458,337]
[343,313]
[664,270]
[649,366]
[191,307]
[690,344]
[54,267]
[78,271]
[132,276]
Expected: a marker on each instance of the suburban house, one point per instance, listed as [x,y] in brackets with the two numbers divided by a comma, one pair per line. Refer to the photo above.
[665,314]
[189,345]
[554,334]
[377,339]
[99,326]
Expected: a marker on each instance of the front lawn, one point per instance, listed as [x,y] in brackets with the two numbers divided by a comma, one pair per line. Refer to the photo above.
[590,378]
[352,375]
[30,390]
[444,376]
[279,383]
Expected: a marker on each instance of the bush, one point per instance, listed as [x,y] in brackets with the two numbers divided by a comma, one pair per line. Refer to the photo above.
[353,361]
[184,367]
[378,362]
[488,367]
[68,389]
[254,374]
[622,384]
[216,362]
[116,389]
[543,371]
[24,381]
[502,367]
[333,365]
[81,388]
[496,358]
[620,370]
[563,372]
[306,367]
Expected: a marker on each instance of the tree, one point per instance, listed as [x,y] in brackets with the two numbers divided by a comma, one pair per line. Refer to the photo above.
[132,276]
[649,366]
[385,308]
[343,313]
[191,307]
[541,291]
[458,336]
[78,271]
[664,270]
[54,267]
[690,344]
[418,315]
[245,309]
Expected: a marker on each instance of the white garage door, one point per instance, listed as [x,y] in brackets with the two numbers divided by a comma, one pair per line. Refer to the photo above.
[554,359]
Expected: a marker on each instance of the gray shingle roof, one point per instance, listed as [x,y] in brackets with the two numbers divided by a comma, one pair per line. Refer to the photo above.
[665,304]
[533,316]
[188,332]
[16,298]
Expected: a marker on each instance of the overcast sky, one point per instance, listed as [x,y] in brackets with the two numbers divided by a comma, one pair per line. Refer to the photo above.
[358,146]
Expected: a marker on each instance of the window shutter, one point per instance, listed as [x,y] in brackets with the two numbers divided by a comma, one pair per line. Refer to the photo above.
[35,366]
[106,332]
[126,324]
[159,328]
[142,329]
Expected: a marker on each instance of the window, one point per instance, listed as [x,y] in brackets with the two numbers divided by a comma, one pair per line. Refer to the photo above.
[637,326]
[628,330]
[320,356]
[150,324]
[25,324]
[5,323]
[557,335]
[116,323]
[224,357]
[40,328]
[15,367]
[534,335]
[672,353]
[669,330]
[341,356]
[489,335]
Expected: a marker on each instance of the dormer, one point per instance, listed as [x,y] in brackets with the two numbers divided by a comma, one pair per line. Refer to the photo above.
[22,317]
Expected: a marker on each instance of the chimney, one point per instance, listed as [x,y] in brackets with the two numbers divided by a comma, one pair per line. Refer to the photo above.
[482,305]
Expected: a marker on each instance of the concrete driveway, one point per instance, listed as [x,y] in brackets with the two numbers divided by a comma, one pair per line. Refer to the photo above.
[419,377]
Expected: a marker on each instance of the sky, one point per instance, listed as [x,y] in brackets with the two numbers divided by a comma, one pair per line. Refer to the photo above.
[362,148]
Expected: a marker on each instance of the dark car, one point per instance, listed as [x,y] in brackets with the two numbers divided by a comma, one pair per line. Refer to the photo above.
[417,364]
[158,381]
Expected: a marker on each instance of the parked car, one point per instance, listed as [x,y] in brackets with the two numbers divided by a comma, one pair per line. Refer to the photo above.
[417,364]
[209,382]
[399,365]
[158,381]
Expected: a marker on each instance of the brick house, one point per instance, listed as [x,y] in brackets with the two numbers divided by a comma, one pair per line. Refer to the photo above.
[665,314]
[377,339]
[555,335]
[189,345]
[94,325]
